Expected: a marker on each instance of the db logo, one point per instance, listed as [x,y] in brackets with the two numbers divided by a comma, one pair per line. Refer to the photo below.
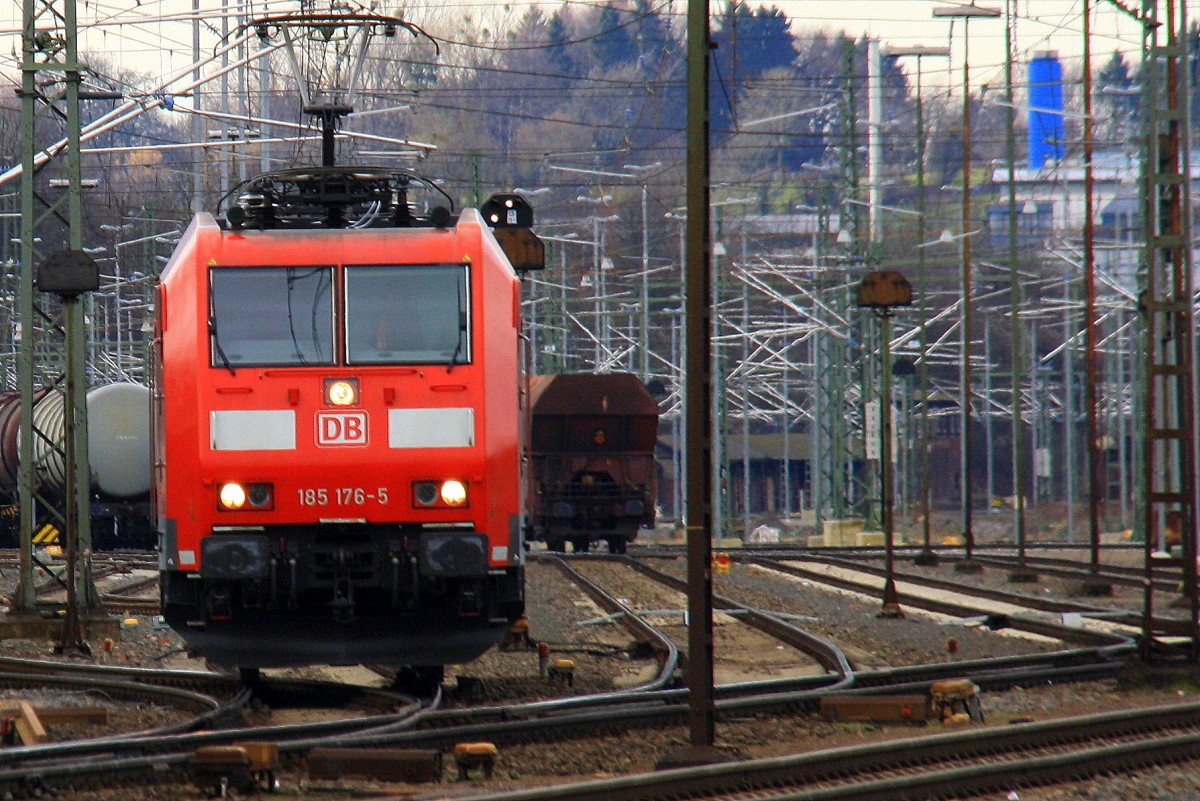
[341,428]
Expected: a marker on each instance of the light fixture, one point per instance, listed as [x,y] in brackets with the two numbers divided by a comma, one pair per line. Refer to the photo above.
[232,496]
[454,493]
[341,391]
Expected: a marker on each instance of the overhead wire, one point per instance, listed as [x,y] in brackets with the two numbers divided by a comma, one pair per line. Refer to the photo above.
[115,15]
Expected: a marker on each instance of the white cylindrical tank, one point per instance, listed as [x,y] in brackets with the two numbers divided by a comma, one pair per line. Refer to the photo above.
[118,439]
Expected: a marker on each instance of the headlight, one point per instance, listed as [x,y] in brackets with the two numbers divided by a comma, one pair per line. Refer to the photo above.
[425,493]
[439,494]
[261,496]
[234,496]
[341,391]
[454,493]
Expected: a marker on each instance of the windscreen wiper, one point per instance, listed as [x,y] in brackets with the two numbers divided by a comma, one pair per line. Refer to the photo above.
[462,338]
[212,330]
[462,329]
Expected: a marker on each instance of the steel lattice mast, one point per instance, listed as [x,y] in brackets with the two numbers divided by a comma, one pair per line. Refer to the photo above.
[1168,477]
[52,352]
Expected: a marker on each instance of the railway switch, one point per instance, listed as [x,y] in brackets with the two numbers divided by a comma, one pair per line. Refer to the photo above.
[517,638]
[216,769]
[562,673]
[955,701]
[244,767]
[475,755]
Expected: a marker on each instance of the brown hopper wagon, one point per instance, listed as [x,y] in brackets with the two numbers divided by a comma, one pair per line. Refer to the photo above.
[592,458]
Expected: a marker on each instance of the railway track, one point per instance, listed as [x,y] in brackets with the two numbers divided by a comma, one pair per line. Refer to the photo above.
[162,754]
[145,683]
[30,771]
[126,581]
[757,635]
[654,705]
[961,599]
[1121,575]
[937,766]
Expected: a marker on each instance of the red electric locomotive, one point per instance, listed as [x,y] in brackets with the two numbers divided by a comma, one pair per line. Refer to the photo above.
[337,426]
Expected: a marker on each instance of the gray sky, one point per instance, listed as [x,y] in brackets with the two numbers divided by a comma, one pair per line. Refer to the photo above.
[157,48]
[1040,25]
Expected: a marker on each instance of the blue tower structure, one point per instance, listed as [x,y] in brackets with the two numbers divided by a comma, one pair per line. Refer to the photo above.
[1045,109]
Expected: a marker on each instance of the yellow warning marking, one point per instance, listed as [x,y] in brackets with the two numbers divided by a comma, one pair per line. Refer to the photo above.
[46,534]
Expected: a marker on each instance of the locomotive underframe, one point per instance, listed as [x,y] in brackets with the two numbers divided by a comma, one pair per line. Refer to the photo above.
[344,593]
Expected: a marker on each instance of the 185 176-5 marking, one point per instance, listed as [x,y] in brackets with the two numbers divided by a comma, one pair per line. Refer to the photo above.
[342,496]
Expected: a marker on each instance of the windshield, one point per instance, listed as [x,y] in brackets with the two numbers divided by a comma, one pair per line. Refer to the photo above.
[411,314]
[272,316]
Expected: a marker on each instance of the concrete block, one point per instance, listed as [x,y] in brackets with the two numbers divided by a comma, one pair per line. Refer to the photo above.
[870,539]
[1116,537]
[841,533]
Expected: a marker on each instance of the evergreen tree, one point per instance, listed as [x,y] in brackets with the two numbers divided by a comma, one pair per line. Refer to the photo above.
[614,45]
[1115,73]
[558,54]
[748,44]
[1117,100]
[652,34]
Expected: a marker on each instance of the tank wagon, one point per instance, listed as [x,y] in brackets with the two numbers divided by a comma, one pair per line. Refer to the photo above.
[337,425]
[592,459]
[118,461]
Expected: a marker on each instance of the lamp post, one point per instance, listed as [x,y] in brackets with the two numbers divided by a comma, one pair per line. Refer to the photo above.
[562,348]
[927,555]
[966,13]
[120,260]
[1022,572]
[882,292]
[598,289]
[644,329]
[680,366]
[1094,585]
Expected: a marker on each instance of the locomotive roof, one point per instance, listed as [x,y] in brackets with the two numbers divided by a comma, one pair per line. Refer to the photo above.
[335,197]
[591,394]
